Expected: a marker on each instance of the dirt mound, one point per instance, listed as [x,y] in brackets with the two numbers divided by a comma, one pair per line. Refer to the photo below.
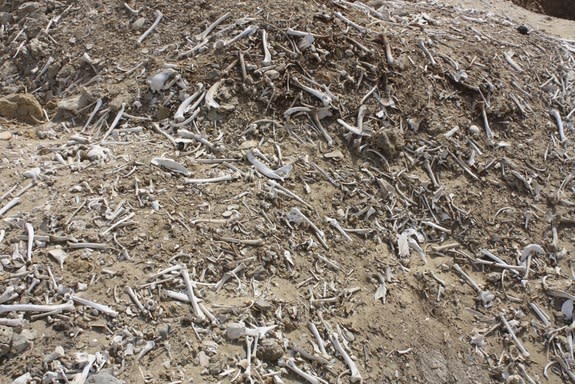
[563,9]
[321,192]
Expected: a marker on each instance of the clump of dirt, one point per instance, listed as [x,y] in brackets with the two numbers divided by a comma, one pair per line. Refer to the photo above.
[21,107]
[326,192]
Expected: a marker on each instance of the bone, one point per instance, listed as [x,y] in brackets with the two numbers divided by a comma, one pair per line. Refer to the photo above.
[323,97]
[530,250]
[290,363]
[250,30]
[133,11]
[267,55]
[318,339]
[334,223]
[351,23]
[514,337]
[158,16]
[427,52]
[279,174]
[118,223]
[93,114]
[199,94]
[211,94]
[160,79]
[218,179]
[355,376]
[355,130]
[317,121]
[99,307]
[130,292]
[171,165]
[545,319]
[202,36]
[82,245]
[509,58]
[296,216]
[191,296]
[147,348]
[81,377]
[557,116]
[15,323]
[4,308]
[486,297]
[15,201]
[30,230]
[488,131]
[228,275]
[274,185]
[115,122]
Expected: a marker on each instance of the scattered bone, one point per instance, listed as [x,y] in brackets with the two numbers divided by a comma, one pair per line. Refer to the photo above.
[171,165]
[158,16]
[99,307]
[4,308]
[296,216]
[278,174]
[290,363]
[355,376]
[202,36]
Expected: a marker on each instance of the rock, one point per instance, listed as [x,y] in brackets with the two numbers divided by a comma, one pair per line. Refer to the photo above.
[22,107]
[5,136]
[72,105]
[139,24]
[21,342]
[163,331]
[270,350]
[103,377]
[6,334]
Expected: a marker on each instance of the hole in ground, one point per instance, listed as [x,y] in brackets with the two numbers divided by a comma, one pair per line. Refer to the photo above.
[564,9]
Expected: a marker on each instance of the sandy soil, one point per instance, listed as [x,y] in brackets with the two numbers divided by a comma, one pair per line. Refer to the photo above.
[433,156]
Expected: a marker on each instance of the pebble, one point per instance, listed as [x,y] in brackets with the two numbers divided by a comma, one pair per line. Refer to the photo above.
[5,135]
[474,130]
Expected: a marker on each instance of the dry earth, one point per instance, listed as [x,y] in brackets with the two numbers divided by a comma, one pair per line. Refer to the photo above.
[434,156]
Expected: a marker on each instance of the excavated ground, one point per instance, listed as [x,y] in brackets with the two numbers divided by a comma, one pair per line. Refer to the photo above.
[372,211]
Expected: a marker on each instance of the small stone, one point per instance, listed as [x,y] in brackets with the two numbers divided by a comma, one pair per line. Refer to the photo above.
[139,24]
[163,330]
[5,135]
[474,130]
[263,305]
[524,29]
[270,350]
[6,334]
